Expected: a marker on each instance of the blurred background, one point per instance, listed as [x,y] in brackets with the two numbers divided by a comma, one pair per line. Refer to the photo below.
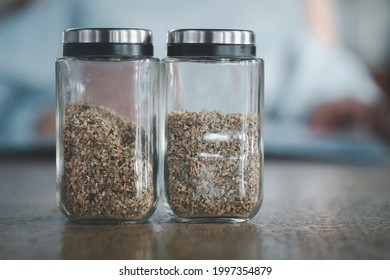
[327,88]
[327,67]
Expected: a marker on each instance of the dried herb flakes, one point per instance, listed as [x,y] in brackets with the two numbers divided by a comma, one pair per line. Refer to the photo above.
[213,164]
[105,175]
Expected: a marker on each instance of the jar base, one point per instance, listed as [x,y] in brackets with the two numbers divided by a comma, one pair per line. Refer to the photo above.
[208,220]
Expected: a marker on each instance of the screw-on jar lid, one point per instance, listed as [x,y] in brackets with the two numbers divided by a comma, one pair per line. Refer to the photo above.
[107,41]
[211,42]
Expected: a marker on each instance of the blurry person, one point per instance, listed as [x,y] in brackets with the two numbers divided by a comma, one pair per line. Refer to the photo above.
[358,19]
[307,69]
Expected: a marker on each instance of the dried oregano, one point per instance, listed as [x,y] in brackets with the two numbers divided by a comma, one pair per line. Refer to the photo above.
[213,164]
[106,175]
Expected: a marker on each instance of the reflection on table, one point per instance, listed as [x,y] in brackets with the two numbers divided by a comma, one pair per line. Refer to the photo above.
[311,210]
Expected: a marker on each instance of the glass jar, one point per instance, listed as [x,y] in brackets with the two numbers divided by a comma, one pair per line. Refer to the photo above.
[107,82]
[212,141]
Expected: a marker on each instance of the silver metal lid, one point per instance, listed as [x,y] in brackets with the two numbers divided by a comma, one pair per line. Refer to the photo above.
[211,36]
[107,35]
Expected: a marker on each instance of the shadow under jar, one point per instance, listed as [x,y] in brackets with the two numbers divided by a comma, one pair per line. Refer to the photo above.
[107,81]
[212,143]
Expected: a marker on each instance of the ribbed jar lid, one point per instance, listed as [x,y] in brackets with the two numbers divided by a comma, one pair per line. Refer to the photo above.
[211,42]
[211,36]
[107,41]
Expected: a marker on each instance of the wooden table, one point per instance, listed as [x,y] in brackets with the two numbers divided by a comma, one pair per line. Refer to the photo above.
[311,210]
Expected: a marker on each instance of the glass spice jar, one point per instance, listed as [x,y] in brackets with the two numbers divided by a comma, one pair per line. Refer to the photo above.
[212,142]
[107,82]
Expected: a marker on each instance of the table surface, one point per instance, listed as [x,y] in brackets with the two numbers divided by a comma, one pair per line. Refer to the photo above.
[311,210]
